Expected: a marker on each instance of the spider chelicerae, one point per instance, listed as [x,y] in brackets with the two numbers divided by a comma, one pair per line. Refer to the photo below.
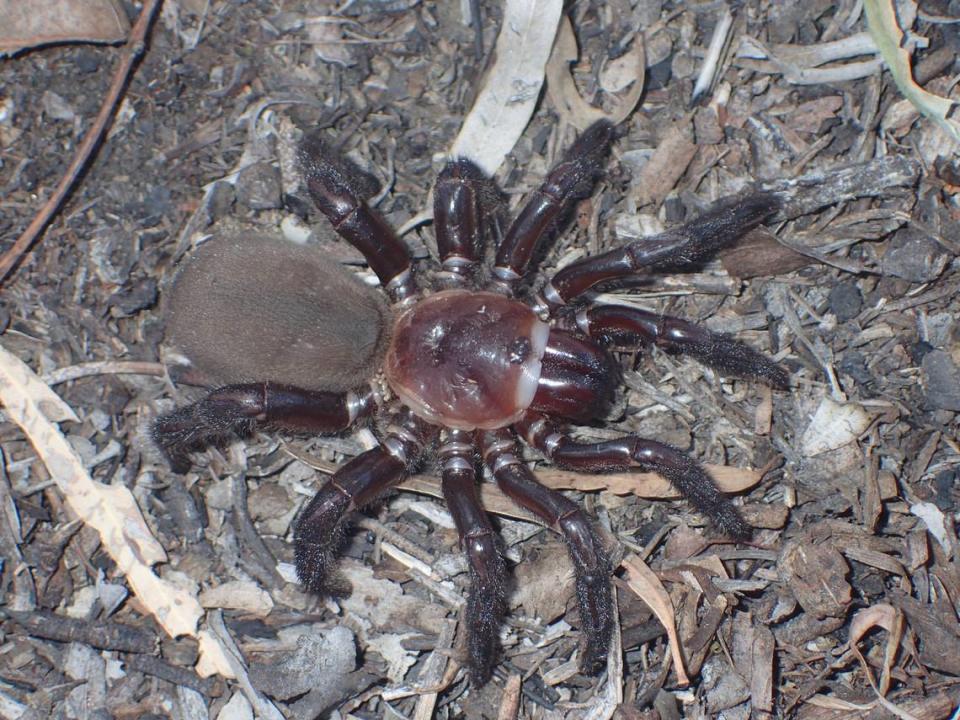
[463,362]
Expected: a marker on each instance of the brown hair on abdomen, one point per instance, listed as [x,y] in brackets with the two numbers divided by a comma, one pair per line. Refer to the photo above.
[248,308]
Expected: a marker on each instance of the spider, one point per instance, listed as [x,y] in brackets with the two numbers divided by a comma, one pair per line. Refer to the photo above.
[465,362]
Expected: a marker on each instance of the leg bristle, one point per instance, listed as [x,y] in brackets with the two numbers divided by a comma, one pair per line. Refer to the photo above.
[317,538]
[732,357]
[486,607]
[698,487]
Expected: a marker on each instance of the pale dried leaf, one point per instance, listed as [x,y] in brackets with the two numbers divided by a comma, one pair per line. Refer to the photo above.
[561,89]
[800,64]
[644,582]
[237,708]
[238,595]
[48,402]
[214,658]
[624,75]
[936,523]
[109,509]
[666,166]
[510,92]
[390,647]
[890,619]
[828,702]
[833,425]
[646,485]
[41,22]
[887,34]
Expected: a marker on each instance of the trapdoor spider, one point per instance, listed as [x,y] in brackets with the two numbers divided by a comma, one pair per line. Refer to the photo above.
[464,368]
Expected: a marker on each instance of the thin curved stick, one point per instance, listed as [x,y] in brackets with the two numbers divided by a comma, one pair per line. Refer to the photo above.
[132,51]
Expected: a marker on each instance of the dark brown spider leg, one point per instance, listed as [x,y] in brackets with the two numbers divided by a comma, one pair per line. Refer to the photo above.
[628,327]
[719,227]
[340,189]
[486,603]
[590,562]
[630,451]
[237,410]
[319,529]
[570,180]
[466,207]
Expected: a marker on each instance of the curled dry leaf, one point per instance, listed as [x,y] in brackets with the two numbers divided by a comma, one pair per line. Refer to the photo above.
[511,89]
[625,74]
[891,620]
[834,425]
[644,582]
[41,22]
[888,36]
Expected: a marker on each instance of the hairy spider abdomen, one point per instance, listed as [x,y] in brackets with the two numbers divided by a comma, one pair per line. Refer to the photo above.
[251,309]
[467,360]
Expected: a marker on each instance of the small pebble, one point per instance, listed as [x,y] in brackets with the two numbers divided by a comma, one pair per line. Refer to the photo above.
[942,381]
[222,198]
[845,301]
[914,257]
[258,187]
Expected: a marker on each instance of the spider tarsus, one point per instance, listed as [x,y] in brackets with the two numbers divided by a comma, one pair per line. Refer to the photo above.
[732,357]
[719,227]
[207,422]
[686,474]
[583,161]
[318,535]
[324,166]
[486,608]
[592,569]
[728,520]
[596,617]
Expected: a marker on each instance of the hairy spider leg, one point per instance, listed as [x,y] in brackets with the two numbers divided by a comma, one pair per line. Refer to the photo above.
[633,452]
[591,565]
[719,227]
[486,601]
[319,530]
[572,179]
[237,410]
[339,190]
[467,209]
[628,327]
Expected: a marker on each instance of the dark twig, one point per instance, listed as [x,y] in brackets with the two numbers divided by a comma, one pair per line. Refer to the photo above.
[263,564]
[101,635]
[132,51]
[157,667]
